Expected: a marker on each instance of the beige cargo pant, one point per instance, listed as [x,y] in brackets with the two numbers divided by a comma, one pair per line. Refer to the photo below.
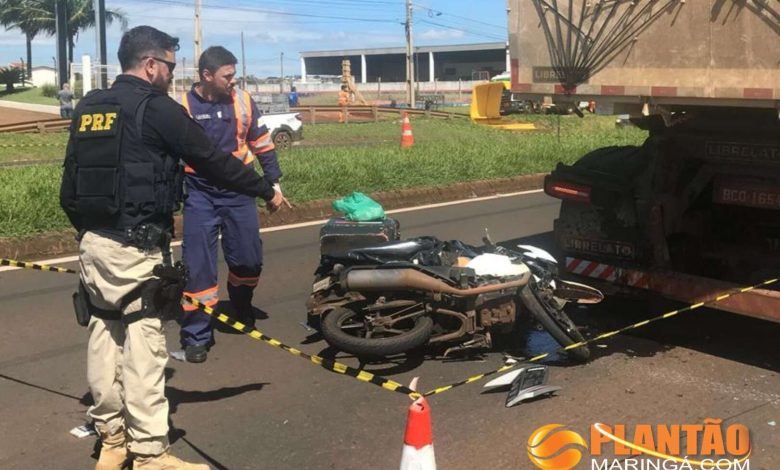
[125,363]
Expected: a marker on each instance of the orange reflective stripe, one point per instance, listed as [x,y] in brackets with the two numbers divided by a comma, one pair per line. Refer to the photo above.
[247,104]
[267,148]
[243,113]
[209,296]
[185,101]
[205,294]
[240,132]
[262,141]
[242,281]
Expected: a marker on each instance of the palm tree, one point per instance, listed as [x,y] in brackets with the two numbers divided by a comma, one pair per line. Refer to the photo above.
[42,14]
[12,15]
[10,76]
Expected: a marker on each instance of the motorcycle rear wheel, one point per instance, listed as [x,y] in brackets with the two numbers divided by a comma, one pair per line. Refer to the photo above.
[555,321]
[333,331]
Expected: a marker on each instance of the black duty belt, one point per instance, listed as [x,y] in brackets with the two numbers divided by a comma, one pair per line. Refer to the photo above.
[144,236]
[148,236]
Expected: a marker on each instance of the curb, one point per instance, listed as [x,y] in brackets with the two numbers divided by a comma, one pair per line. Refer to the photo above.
[38,108]
[51,244]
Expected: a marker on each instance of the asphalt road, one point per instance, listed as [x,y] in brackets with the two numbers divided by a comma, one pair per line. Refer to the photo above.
[251,406]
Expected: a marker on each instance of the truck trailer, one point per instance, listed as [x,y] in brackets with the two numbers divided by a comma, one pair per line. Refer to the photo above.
[694,211]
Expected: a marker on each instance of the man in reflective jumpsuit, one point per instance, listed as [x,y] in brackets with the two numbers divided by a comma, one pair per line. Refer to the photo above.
[233,123]
[343,102]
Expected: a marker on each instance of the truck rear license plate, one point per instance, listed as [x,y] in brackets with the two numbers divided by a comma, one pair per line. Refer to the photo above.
[740,194]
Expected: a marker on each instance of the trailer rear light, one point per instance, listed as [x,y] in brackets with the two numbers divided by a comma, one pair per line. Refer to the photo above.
[568,191]
[299,117]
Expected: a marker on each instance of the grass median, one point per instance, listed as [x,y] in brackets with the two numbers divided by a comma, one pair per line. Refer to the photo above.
[339,159]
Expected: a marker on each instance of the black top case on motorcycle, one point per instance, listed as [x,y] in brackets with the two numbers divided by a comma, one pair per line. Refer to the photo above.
[339,235]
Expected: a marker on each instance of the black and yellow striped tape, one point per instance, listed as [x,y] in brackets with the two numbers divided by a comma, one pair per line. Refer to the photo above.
[642,323]
[38,267]
[386,383]
[328,364]
[6,146]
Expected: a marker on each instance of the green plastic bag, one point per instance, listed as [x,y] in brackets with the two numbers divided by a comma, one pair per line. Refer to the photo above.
[358,206]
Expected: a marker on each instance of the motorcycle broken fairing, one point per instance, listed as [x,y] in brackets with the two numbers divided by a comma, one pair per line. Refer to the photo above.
[397,296]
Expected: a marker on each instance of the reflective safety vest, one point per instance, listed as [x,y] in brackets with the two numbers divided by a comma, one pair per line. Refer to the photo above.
[118,183]
[242,108]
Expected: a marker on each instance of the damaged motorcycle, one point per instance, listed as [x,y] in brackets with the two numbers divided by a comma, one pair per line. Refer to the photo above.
[396,296]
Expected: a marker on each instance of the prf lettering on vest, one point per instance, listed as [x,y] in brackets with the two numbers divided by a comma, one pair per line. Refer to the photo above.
[97,122]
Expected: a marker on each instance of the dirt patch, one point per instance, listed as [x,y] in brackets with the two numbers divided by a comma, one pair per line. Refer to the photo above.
[14,116]
[62,243]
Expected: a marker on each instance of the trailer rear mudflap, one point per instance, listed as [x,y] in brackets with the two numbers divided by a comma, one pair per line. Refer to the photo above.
[763,303]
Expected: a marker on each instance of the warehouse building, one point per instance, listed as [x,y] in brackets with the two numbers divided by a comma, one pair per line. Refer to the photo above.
[432,63]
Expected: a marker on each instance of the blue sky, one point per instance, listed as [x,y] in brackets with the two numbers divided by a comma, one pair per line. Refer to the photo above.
[290,26]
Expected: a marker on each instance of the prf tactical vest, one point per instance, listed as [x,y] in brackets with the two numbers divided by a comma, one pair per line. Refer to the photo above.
[120,182]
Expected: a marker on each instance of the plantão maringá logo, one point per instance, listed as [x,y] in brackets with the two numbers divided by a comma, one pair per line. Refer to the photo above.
[554,447]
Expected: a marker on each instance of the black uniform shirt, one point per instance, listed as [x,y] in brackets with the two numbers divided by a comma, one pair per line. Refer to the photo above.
[168,127]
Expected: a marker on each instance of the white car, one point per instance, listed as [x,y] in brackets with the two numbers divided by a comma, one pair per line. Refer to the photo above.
[286,128]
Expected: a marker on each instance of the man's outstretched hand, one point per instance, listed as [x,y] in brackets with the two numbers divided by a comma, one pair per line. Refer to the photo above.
[277,202]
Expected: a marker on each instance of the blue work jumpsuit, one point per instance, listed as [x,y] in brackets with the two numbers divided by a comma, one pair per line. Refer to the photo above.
[233,125]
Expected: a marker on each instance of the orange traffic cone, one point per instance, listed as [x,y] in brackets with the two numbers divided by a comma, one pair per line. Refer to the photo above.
[407,139]
[418,439]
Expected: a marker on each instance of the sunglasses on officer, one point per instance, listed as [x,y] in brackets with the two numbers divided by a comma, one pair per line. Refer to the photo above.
[171,65]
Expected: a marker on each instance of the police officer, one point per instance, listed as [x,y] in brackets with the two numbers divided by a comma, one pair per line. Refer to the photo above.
[120,186]
[233,123]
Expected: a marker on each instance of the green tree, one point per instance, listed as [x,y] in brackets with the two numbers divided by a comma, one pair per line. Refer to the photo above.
[10,76]
[13,15]
[42,14]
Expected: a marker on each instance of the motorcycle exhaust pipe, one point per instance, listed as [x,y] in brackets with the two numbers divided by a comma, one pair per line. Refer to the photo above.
[411,279]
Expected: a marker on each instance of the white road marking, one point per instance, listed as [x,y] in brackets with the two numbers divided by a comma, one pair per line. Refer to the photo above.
[71,259]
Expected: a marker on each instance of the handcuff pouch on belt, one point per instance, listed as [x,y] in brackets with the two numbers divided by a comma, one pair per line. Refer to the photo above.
[84,308]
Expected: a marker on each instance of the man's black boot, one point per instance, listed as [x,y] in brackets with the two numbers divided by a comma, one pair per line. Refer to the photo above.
[196,353]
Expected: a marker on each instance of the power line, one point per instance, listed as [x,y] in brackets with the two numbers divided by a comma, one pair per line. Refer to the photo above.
[439,12]
[225,20]
[273,12]
[463,28]
[340,2]
[327,7]
[474,33]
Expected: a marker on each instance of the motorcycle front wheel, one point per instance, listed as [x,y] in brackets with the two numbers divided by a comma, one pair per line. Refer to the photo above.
[346,329]
[551,316]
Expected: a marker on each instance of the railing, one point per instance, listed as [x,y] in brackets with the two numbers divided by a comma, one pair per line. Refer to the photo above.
[46,125]
[370,112]
[367,112]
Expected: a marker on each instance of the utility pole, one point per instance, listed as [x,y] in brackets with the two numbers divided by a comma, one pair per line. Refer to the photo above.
[61,25]
[243,63]
[197,31]
[409,54]
[281,81]
[100,30]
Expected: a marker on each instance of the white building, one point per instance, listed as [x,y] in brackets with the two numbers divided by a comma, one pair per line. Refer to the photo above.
[42,74]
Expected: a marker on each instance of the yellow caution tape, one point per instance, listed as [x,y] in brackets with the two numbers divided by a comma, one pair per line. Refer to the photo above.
[5,146]
[38,267]
[386,383]
[718,298]
[328,364]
